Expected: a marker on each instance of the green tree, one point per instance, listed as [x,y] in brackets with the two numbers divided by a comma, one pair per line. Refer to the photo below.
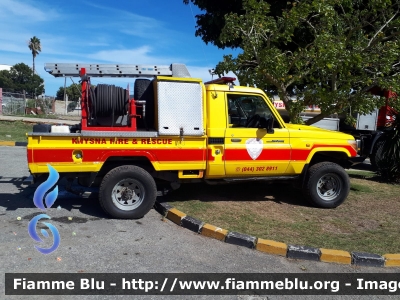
[5,80]
[20,78]
[326,53]
[73,91]
[35,47]
[211,22]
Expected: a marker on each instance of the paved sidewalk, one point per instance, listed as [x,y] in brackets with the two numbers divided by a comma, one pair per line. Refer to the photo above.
[38,120]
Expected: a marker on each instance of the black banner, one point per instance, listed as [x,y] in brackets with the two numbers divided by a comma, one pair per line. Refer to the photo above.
[201,284]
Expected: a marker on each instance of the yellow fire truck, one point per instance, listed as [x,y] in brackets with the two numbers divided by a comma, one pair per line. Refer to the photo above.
[177,129]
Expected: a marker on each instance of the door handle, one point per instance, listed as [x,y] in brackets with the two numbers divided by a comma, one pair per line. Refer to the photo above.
[236,140]
[275,141]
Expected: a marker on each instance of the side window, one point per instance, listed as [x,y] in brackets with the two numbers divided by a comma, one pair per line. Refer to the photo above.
[244,109]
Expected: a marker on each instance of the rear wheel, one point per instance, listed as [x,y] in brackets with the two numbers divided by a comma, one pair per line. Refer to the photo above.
[376,155]
[327,185]
[127,192]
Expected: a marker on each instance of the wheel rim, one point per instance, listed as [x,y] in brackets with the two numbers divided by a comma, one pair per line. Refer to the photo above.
[128,194]
[329,187]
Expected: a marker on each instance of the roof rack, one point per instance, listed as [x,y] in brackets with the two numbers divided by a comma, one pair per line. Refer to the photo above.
[222,80]
[111,70]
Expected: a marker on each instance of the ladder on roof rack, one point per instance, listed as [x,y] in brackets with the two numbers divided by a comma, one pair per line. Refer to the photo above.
[110,70]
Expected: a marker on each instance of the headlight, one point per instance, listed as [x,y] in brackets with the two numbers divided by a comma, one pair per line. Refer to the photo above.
[355,144]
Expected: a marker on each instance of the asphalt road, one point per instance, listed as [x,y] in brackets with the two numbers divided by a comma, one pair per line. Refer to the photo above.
[93,243]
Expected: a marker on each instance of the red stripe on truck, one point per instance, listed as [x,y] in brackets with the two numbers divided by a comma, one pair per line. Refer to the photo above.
[101,155]
[302,154]
[266,154]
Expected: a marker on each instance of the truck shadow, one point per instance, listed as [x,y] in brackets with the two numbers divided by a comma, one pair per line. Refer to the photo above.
[363,167]
[251,191]
[374,178]
[15,181]
[366,172]
[87,203]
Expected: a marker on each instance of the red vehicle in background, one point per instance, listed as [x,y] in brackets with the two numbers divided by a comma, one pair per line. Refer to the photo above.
[386,116]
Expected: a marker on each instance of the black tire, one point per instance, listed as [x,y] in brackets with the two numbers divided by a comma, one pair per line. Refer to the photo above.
[127,192]
[143,90]
[376,155]
[41,128]
[327,185]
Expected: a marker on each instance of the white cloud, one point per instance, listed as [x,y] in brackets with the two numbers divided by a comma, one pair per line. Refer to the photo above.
[97,44]
[21,20]
[106,35]
[132,24]
[14,40]
[152,22]
[11,47]
[21,9]
[141,55]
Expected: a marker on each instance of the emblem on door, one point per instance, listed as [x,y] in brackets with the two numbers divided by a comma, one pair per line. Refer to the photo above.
[254,147]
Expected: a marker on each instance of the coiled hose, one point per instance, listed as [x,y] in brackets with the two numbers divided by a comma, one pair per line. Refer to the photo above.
[108,100]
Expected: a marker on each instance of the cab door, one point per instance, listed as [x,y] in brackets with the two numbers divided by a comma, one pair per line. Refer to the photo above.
[249,149]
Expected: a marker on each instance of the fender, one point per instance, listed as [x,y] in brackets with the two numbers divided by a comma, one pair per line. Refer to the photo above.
[375,138]
[340,149]
[132,153]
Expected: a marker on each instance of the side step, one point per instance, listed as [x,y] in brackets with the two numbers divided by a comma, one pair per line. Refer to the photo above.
[247,179]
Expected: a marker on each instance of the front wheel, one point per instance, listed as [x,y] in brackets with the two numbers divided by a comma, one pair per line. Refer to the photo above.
[327,185]
[127,192]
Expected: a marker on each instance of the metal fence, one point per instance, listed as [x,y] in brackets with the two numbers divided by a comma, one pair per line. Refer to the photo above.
[12,104]
[42,105]
[18,104]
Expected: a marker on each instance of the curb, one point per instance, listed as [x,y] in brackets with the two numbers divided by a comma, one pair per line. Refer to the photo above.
[18,144]
[276,248]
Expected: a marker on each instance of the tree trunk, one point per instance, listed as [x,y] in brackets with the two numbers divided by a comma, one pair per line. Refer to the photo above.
[33,65]
[291,109]
[316,118]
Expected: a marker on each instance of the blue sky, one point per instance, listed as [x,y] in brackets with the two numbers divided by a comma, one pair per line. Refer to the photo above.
[156,32]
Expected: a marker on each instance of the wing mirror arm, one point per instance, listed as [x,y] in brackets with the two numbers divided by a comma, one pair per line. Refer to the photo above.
[270,125]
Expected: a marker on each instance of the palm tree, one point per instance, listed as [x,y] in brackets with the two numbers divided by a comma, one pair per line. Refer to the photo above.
[35,47]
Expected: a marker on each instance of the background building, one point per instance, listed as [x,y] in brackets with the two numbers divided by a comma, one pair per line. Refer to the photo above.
[5,67]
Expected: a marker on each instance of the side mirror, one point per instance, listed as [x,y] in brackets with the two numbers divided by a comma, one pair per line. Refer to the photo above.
[268,124]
